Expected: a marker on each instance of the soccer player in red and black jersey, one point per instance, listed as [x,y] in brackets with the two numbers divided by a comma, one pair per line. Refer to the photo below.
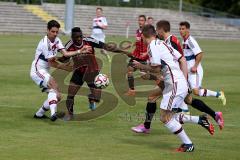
[139,54]
[85,68]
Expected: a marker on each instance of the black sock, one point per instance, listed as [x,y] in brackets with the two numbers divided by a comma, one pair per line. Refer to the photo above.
[70,103]
[131,82]
[150,111]
[201,106]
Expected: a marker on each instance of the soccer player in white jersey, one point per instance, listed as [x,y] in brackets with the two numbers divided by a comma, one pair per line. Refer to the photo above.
[163,30]
[45,57]
[193,55]
[175,90]
[100,24]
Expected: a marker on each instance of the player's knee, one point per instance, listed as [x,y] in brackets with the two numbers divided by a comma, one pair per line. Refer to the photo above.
[54,95]
[152,99]
[188,99]
[195,91]
[165,116]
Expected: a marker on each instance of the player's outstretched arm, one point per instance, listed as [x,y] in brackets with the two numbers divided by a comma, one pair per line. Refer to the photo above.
[152,69]
[83,50]
[66,66]
[111,47]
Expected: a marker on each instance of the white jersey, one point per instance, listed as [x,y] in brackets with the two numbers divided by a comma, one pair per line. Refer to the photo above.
[45,50]
[190,50]
[98,21]
[167,57]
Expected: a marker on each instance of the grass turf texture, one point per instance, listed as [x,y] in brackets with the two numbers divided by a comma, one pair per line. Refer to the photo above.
[109,137]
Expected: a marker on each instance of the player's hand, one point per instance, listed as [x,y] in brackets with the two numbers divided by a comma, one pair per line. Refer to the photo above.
[194,69]
[86,49]
[136,64]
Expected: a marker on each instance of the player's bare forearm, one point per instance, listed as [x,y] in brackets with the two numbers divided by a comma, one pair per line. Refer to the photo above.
[198,59]
[53,63]
[152,69]
[183,66]
[83,50]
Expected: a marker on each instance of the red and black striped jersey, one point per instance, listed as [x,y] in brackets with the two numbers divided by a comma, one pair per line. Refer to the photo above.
[85,62]
[140,47]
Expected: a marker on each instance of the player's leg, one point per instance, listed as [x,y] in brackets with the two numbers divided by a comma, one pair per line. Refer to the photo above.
[175,127]
[95,95]
[150,111]
[43,79]
[75,84]
[200,120]
[196,82]
[201,106]
[173,99]
[130,77]
[54,97]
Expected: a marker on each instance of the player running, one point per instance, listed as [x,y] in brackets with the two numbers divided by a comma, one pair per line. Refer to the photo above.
[193,55]
[175,84]
[85,68]
[45,57]
[139,54]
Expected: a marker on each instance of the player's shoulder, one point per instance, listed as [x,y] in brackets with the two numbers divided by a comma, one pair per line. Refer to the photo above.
[68,44]
[91,40]
[192,41]
[174,38]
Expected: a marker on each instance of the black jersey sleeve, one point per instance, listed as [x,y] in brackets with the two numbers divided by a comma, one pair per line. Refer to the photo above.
[94,43]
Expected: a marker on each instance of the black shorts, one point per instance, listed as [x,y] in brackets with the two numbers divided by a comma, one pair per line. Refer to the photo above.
[130,63]
[79,78]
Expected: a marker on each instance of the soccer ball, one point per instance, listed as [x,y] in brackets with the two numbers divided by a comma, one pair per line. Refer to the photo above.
[101,81]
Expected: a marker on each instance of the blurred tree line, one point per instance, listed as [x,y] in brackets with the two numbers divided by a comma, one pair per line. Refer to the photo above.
[230,6]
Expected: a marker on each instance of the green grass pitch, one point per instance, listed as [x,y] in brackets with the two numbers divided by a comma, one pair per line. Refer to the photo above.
[109,137]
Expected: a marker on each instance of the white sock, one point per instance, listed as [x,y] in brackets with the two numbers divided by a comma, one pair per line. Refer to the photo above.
[184,107]
[183,136]
[43,109]
[184,118]
[52,100]
[176,128]
[207,93]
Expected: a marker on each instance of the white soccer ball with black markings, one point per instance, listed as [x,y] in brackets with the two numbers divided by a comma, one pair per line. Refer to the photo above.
[101,81]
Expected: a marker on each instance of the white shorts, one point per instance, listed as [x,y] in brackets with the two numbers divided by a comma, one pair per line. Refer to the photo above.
[40,76]
[99,37]
[174,95]
[195,79]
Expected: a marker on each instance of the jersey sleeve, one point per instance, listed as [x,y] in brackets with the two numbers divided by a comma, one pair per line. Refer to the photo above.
[104,21]
[175,43]
[193,45]
[94,43]
[155,54]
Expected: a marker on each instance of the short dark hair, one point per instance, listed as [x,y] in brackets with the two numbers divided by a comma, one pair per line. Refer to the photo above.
[164,24]
[150,18]
[148,31]
[99,8]
[142,16]
[185,23]
[53,23]
[77,30]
